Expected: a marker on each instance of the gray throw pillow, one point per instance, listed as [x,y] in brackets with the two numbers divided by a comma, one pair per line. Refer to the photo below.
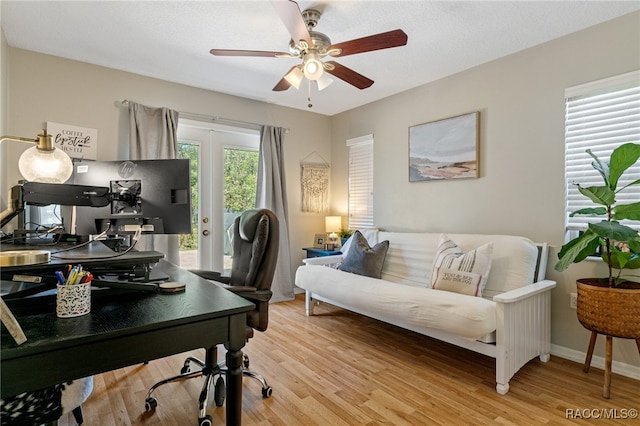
[364,260]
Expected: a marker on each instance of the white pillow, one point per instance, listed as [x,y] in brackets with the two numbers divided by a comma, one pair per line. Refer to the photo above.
[460,272]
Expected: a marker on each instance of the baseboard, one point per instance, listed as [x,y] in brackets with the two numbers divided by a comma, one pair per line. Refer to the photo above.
[617,367]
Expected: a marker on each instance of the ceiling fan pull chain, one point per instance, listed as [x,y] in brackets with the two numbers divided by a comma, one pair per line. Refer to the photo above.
[310,105]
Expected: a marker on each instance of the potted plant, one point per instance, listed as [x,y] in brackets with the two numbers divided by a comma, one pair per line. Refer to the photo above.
[344,235]
[610,305]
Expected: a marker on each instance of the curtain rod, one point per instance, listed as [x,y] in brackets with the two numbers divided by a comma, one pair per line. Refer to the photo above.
[214,119]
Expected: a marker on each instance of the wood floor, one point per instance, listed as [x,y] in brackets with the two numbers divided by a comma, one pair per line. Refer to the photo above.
[339,368]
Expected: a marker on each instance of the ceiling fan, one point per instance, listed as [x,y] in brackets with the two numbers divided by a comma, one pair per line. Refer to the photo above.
[312,46]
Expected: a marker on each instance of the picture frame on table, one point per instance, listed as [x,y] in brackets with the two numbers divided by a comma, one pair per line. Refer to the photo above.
[319,241]
[445,149]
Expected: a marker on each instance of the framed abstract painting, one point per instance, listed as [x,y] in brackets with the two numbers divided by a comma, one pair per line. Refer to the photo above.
[445,149]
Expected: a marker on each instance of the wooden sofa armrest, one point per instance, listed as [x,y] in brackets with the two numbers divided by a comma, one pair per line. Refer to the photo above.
[331,261]
[525,292]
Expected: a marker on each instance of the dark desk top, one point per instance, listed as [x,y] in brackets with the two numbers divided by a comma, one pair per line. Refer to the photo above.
[94,254]
[114,316]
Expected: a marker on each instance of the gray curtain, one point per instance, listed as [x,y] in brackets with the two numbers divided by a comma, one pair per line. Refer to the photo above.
[153,136]
[272,195]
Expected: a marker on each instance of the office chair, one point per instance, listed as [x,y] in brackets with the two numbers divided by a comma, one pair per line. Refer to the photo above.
[255,251]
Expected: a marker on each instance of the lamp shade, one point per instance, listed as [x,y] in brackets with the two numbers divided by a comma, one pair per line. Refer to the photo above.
[43,162]
[294,77]
[324,81]
[313,68]
[332,224]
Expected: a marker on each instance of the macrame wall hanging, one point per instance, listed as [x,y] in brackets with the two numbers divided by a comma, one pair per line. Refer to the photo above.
[315,185]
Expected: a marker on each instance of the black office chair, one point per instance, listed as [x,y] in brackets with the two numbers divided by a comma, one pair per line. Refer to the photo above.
[255,251]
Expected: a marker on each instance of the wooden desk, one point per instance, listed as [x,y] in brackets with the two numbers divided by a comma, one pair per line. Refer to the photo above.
[126,329]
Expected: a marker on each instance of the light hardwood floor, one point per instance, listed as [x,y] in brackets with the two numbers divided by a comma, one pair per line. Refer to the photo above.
[340,368]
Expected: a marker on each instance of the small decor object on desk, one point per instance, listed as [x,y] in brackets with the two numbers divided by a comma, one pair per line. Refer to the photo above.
[319,241]
[73,298]
[344,235]
[611,305]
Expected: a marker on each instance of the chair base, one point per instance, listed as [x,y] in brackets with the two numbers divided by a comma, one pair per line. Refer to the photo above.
[210,374]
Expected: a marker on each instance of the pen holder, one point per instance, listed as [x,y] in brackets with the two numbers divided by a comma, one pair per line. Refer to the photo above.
[73,300]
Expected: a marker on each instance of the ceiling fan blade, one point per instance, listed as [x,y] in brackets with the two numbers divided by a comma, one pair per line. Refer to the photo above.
[231,52]
[284,84]
[291,16]
[348,75]
[386,40]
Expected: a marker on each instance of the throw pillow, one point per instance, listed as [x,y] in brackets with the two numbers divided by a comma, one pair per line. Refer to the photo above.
[364,260]
[460,272]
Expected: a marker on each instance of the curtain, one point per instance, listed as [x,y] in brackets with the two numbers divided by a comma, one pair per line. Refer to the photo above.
[153,136]
[272,195]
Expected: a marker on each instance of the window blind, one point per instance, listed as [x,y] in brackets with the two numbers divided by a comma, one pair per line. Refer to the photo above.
[600,116]
[361,182]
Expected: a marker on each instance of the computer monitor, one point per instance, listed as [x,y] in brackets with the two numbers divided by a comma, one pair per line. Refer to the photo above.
[152,194]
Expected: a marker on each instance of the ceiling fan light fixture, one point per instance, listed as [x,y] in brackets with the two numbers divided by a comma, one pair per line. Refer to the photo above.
[294,77]
[324,81]
[312,66]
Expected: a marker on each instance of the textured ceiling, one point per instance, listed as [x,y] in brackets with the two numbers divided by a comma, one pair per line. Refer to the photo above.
[170,40]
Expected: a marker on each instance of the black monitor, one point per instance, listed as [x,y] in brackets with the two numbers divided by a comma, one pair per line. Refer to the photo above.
[153,194]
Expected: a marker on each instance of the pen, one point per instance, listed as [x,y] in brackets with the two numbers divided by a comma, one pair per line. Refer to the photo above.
[60,277]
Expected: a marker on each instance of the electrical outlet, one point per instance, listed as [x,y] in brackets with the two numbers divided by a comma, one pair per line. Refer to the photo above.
[573,301]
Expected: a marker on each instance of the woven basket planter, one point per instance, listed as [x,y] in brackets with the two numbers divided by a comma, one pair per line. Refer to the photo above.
[609,311]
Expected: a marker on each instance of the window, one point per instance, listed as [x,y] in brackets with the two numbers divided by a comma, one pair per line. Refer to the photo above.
[361,182]
[599,116]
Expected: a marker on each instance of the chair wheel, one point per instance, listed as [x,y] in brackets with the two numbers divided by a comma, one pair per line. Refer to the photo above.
[220,392]
[205,421]
[266,392]
[185,369]
[245,362]
[150,404]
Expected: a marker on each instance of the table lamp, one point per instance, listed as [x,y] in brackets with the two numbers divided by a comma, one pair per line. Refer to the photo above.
[332,224]
[43,162]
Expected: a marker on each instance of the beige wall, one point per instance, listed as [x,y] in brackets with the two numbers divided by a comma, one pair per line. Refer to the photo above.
[521,101]
[520,98]
[47,88]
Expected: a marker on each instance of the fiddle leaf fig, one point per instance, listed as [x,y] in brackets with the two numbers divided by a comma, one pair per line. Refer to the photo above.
[627,211]
[622,158]
[602,195]
[618,243]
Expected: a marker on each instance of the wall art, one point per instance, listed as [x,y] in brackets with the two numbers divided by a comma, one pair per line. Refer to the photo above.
[445,149]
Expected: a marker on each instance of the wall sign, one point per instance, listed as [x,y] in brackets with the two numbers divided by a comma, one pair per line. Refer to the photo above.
[77,142]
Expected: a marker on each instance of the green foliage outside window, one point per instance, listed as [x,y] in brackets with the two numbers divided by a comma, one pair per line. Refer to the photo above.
[190,151]
[240,174]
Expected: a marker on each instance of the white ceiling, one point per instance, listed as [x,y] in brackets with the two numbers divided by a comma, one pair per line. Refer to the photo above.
[170,40]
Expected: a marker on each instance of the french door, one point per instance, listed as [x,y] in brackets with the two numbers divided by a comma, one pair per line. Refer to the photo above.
[224,167]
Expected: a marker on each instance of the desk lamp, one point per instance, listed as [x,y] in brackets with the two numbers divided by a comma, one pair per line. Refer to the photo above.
[332,224]
[43,162]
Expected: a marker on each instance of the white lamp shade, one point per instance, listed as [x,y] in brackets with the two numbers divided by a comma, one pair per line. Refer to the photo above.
[332,224]
[324,81]
[313,68]
[45,166]
[294,77]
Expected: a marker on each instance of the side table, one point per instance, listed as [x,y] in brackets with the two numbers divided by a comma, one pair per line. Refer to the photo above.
[316,252]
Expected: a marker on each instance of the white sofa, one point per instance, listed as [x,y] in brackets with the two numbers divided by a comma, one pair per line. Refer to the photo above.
[510,322]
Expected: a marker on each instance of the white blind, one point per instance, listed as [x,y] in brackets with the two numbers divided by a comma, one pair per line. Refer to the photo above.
[600,116]
[361,182]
